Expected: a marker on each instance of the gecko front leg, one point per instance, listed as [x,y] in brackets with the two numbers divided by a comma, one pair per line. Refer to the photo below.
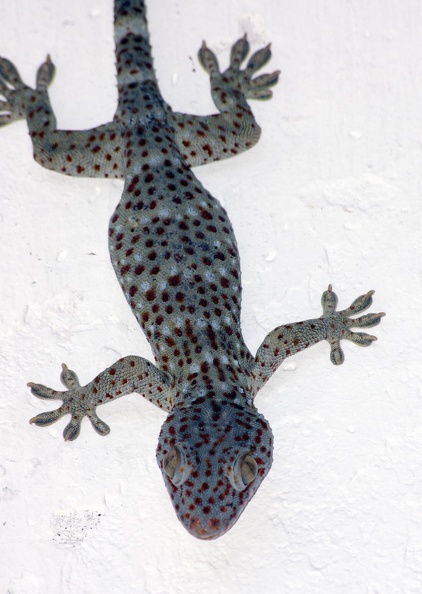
[203,139]
[19,99]
[127,375]
[96,152]
[333,326]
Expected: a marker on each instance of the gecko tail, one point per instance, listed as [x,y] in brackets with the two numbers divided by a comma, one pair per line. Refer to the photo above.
[133,49]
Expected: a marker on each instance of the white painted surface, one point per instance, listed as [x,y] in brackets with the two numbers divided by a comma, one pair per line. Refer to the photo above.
[332,193]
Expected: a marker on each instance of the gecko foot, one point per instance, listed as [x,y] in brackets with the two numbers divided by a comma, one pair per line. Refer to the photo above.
[340,322]
[75,403]
[240,80]
[15,96]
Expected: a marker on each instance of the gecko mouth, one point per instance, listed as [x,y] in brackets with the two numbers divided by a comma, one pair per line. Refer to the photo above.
[213,529]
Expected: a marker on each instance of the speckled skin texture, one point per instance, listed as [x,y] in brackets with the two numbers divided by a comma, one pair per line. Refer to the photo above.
[175,256]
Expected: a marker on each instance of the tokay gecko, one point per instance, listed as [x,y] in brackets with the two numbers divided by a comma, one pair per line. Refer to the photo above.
[175,256]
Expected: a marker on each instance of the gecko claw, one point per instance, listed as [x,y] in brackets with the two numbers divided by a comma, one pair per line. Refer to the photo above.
[336,353]
[208,60]
[259,59]
[69,378]
[239,51]
[361,338]
[72,429]
[329,301]
[100,426]
[45,74]
[43,392]
[46,418]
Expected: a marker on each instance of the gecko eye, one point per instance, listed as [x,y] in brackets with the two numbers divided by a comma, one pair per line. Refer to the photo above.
[243,472]
[175,467]
[248,469]
[171,462]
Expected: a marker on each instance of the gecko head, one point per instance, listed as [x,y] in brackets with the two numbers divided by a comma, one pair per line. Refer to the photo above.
[213,456]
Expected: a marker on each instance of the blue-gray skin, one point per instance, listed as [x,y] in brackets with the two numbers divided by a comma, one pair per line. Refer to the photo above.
[175,255]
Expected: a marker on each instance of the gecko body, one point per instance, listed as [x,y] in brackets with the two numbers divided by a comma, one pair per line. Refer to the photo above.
[174,253]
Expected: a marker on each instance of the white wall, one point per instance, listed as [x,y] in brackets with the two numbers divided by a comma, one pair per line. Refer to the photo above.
[332,193]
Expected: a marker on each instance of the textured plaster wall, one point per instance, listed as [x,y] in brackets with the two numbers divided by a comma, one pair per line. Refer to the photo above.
[332,193]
